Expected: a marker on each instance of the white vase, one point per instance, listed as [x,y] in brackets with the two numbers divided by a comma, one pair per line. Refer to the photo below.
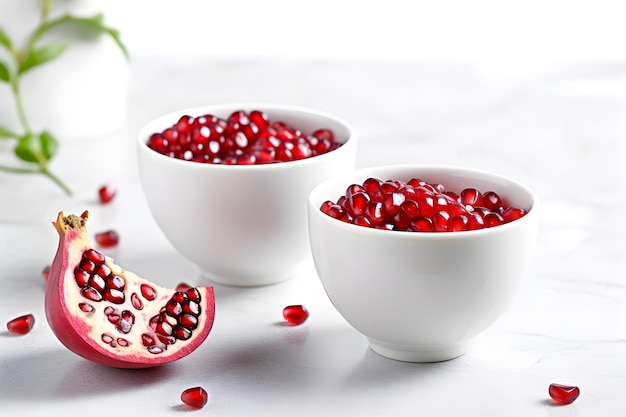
[80,95]
[80,98]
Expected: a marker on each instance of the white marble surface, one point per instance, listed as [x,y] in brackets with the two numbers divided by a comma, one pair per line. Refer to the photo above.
[559,129]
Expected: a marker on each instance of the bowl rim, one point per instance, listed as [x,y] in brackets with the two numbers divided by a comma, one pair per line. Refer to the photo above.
[315,194]
[159,122]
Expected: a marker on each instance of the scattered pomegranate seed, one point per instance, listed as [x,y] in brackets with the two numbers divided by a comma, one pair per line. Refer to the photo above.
[107,239]
[21,325]
[45,273]
[563,394]
[195,397]
[295,314]
[417,206]
[241,139]
[106,193]
[183,286]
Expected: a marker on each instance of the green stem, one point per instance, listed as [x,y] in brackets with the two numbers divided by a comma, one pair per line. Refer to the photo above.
[44,26]
[16,170]
[20,106]
[42,170]
[56,180]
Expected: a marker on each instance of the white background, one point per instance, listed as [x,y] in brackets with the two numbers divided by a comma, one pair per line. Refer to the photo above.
[502,33]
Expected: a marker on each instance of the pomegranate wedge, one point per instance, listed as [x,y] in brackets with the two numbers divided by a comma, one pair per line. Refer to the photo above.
[113,317]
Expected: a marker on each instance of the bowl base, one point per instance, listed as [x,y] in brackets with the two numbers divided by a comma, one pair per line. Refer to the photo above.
[256,280]
[418,354]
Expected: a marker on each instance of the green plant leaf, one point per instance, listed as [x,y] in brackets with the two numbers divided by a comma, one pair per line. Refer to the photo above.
[36,148]
[6,133]
[41,55]
[115,34]
[96,23]
[5,40]
[5,74]
[27,148]
[49,145]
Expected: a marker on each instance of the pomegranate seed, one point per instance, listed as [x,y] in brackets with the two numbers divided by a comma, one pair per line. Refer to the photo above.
[422,224]
[357,204]
[195,397]
[458,223]
[159,143]
[136,301]
[184,125]
[46,273]
[107,239]
[183,287]
[419,206]
[471,197]
[106,194]
[563,394]
[416,182]
[209,139]
[375,213]
[493,219]
[492,200]
[21,325]
[148,292]
[362,221]
[324,134]
[440,221]
[513,213]
[295,314]
[371,184]
[260,119]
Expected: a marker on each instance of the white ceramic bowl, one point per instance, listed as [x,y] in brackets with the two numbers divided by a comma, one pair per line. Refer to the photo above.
[422,296]
[242,225]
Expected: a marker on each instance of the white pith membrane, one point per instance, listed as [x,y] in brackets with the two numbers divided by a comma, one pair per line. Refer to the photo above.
[111,340]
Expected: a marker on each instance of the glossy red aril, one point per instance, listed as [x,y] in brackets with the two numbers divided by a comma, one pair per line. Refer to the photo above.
[243,138]
[295,314]
[21,325]
[183,286]
[419,206]
[106,194]
[107,239]
[45,272]
[563,394]
[195,397]
[112,316]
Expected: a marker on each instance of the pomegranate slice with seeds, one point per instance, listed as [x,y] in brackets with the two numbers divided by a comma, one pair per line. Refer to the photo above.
[21,325]
[295,314]
[113,317]
[563,394]
[195,397]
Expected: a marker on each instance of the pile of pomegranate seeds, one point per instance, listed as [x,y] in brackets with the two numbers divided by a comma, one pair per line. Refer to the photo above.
[244,138]
[195,397]
[21,325]
[295,314]
[563,394]
[418,206]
